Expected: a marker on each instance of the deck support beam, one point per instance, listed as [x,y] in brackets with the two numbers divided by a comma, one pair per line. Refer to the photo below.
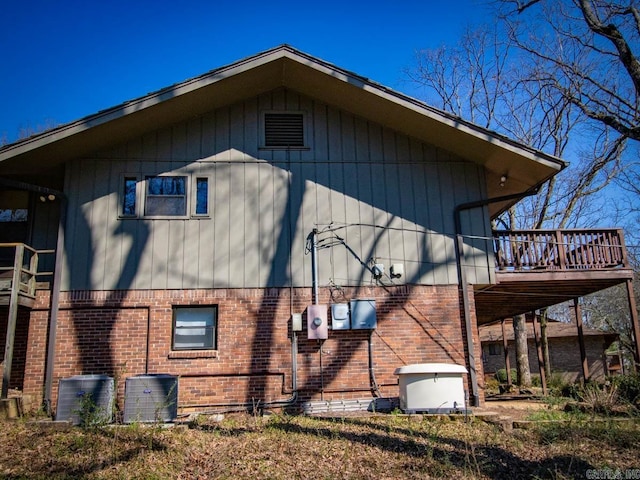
[635,326]
[505,349]
[542,366]
[583,352]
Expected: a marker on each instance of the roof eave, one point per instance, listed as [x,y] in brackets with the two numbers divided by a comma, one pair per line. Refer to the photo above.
[286,67]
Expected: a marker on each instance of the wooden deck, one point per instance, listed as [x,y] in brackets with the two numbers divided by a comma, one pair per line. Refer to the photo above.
[19,272]
[540,268]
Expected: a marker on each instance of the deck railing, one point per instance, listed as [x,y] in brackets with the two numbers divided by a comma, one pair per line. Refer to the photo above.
[19,268]
[553,250]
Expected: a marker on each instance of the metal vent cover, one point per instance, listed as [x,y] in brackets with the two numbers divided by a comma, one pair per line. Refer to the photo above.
[85,397]
[151,398]
[284,130]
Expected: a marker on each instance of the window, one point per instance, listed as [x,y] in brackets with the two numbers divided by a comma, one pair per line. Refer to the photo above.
[494,349]
[17,215]
[14,206]
[202,196]
[194,328]
[165,196]
[283,129]
[129,196]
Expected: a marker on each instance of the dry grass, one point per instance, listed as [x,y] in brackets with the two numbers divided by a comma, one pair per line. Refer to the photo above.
[284,447]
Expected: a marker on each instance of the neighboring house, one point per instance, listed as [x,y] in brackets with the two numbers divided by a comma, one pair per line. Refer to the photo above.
[564,349]
[191,231]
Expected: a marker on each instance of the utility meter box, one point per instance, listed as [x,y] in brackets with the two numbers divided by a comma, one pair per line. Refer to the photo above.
[317,328]
[363,314]
[340,316]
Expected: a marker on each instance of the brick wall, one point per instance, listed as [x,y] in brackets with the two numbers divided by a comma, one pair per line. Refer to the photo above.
[564,357]
[125,333]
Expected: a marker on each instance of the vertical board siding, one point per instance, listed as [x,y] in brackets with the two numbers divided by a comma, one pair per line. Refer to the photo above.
[373,193]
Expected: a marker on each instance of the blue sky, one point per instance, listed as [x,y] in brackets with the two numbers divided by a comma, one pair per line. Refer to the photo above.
[62,60]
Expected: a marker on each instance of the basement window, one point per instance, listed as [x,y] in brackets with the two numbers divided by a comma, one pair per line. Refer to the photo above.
[495,349]
[194,328]
[283,129]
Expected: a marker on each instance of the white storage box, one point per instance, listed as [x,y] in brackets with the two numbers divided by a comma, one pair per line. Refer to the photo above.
[431,388]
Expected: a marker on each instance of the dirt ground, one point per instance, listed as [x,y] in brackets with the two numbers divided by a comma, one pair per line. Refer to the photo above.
[517,409]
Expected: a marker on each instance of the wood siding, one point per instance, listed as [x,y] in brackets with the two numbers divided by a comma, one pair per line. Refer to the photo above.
[385,196]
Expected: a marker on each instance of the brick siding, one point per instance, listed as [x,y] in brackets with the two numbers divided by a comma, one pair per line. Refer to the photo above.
[564,357]
[125,333]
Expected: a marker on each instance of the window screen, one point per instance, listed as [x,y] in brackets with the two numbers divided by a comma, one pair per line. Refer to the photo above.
[194,328]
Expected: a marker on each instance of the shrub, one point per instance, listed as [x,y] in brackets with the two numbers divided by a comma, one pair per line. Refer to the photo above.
[559,387]
[600,398]
[570,390]
[492,384]
[501,375]
[628,387]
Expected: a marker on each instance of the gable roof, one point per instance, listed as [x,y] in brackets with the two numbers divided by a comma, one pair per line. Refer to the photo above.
[287,67]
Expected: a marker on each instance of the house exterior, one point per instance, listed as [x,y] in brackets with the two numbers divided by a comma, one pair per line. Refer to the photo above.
[205,231]
[564,350]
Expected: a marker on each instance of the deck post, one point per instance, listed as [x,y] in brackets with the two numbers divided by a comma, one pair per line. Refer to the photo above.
[12,320]
[561,251]
[583,352]
[505,348]
[542,367]
[635,327]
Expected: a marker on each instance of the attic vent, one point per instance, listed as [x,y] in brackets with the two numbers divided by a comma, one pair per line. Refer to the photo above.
[284,130]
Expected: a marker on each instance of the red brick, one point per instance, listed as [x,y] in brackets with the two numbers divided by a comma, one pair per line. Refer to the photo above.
[128,333]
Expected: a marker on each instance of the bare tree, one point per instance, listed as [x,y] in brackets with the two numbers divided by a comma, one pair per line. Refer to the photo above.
[28,131]
[497,80]
[587,51]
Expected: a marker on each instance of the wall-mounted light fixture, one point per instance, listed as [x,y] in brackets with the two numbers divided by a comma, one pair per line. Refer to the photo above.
[51,197]
[503,180]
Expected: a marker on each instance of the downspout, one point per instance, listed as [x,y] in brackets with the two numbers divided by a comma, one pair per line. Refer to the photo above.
[55,306]
[462,278]
[57,276]
[316,295]
[314,265]
[372,375]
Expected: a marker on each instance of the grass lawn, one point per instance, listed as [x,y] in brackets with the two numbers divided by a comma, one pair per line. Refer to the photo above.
[292,447]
